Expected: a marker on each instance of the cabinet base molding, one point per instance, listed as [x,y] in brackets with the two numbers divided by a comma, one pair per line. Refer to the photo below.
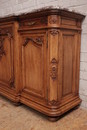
[52,111]
[10,94]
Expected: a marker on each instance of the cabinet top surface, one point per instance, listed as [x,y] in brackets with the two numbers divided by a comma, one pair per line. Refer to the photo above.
[42,13]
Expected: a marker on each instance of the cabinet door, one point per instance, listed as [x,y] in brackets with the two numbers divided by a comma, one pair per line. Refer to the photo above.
[6,59]
[68,60]
[34,64]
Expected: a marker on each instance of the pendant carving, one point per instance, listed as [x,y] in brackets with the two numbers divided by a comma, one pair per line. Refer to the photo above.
[37,41]
[53,69]
[2,51]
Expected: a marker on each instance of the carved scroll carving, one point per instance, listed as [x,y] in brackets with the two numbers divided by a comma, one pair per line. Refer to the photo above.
[37,41]
[53,102]
[54,32]
[53,68]
[2,51]
[6,32]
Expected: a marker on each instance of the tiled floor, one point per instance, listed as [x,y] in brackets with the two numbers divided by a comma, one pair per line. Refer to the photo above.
[24,118]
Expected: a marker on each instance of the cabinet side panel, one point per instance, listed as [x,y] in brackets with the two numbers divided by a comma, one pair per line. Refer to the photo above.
[67,64]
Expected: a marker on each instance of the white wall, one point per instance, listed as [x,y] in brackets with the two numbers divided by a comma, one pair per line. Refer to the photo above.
[8,7]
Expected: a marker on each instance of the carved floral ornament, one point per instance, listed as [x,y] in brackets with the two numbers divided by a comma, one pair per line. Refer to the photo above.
[54,32]
[53,69]
[53,102]
[3,33]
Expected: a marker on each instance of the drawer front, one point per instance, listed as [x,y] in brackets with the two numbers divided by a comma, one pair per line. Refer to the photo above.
[34,63]
[6,57]
[40,22]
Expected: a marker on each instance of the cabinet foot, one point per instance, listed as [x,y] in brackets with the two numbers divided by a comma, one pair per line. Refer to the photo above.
[17,103]
[53,119]
[76,107]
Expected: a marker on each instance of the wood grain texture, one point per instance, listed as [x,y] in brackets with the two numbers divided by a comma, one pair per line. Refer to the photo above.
[39,60]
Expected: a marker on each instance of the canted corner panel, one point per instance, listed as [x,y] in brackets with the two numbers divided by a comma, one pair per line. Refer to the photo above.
[6,59]
[53,64]
[32,64]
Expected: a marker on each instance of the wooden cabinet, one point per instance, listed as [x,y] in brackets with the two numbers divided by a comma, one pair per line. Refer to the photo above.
[39,60]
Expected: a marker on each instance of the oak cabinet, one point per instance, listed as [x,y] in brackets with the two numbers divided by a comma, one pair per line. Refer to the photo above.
[39,63]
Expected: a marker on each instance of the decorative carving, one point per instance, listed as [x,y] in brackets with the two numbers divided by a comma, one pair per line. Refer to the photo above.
[2,51]
[37,41]
[11,82]
[54,32]
[34,22]
[31,23]
[53,102]
[53,19]
[53,68]
[6,32]
[9,34]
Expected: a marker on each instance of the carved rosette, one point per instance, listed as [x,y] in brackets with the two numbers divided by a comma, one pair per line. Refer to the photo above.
[53,103]
[53,19]
[54,32]
[2,51]
[53,69]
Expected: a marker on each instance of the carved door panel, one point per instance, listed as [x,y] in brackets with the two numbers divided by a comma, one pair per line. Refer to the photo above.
[6,59]
[68,63]
[34,64]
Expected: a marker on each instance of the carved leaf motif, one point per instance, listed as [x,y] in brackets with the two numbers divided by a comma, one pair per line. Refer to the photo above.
[38,41]
[53,68]
[54,32]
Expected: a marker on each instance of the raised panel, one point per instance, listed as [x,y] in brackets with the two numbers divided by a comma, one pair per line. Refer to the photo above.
[68,63]
[33,64]
[6,60]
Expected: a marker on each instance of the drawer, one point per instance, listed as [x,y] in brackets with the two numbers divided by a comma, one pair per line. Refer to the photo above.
[68,22]
[40,22]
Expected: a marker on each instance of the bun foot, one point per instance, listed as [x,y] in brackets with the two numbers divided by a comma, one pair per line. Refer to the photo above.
[53,119]
[17,103]
[76,107]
